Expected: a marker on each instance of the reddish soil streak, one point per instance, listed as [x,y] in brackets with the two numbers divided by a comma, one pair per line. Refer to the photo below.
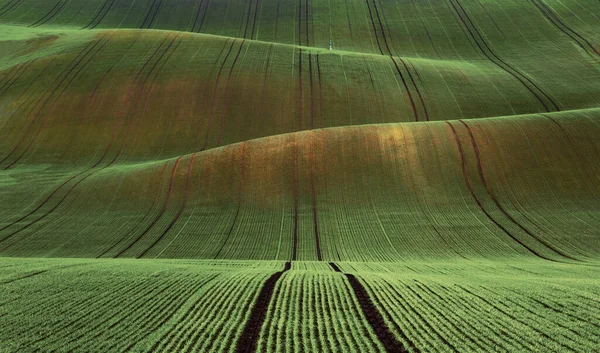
[416,88]
[314,199]
[249,337]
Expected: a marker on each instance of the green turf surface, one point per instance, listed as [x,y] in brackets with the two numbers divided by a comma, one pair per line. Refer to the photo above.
[430,185]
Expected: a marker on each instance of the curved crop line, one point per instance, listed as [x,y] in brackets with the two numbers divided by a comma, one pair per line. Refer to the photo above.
[248,18]
[416,88]
[306,22]
[203,15]
[490,192]
[214,95]
[314,198]
[11,73]
[382,29]
[161,174]
[158,8]
[515,73]
[557,22]
[101,15]
[106,150]
[240,198]
[312,103]
[478,202]
[19,71]
[320,90]
[181,208]
[160,214]
[251,333]
[295,164]
[65,74]
[9,6]
[98,12]
[374,28]
[412,101]
[51,14]
[53,106]
[254,21]
[148,14]
[197,15]
[300,91]
[224,109]
[374,318]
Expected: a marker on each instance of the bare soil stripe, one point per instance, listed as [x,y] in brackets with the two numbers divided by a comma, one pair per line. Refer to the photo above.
[193,29]
[490,192]
[483,45]
[224,110]
[314,198]
[249,337]
[240,197]
[320,91]
[412,101]
[158,8]
[295,162]
[214,95]
[203,15]
[478,202]
[374,318]
[254,21]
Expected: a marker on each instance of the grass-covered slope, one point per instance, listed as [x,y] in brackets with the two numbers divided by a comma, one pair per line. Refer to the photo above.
[430,185]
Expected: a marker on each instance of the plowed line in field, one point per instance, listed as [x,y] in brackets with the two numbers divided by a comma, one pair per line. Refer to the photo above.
[139,223]
[162,211]
[248,18]
[300,92]
[387,46]
[10,6]
[7,85]
[299,22]
[558,23]
[50,14]
[478,202]
[110,142]
[374,318]
[203,15]
[65,74]
[320,91]
[99,15]
[314,198]
[148,14]
[249,337]
[193,29]
[490,192]
[56,100]
[240,197]
[482,43]
[181,208]
[158,8]
[214,95]
[515,319]
[412,101]
[374,28]
[295,162]
[416,88]
[224,109]
[254,21]
[307,22]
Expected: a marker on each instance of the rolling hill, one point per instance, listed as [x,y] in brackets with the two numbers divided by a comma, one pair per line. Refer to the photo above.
[207,176]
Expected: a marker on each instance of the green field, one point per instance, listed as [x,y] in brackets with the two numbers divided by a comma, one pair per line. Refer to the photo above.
[207,176]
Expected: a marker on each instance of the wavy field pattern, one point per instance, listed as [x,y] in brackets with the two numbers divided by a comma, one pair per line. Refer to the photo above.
[431,184]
